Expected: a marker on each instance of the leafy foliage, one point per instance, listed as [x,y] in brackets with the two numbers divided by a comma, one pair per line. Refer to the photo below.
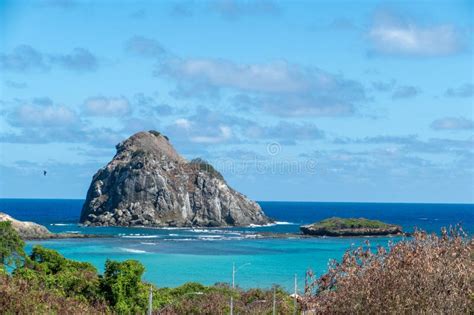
[123,287]
[47,269]
[11,246]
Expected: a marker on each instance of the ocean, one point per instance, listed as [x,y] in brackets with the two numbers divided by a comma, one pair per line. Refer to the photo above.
[173,256]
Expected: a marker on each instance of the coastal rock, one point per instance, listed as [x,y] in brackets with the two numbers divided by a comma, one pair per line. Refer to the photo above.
[350,227]
[32,231]
[26,230]
[148,183]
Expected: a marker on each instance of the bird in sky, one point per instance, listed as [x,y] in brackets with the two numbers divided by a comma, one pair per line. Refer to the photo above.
[44,173]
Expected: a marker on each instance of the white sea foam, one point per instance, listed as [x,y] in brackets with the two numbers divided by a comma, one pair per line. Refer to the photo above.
[63,224]
[72,232]
[147,243]
[132,250]
[180,239]
[140,236]
[262,225]
[173,234]
[171,228]
[284,223]
[200,231]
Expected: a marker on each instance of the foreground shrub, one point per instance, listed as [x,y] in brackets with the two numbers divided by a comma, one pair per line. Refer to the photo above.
[193,298]
[123,287]
[427,274]
[46,269]
[11,246]
[20,296]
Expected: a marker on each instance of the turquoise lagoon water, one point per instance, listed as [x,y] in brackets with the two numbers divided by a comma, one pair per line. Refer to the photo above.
[175,256]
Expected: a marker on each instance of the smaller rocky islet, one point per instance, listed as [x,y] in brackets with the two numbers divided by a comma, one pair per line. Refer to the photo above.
[34,231]
[336,226]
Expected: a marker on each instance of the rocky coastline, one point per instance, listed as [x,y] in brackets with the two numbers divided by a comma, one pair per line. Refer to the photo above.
[34,231]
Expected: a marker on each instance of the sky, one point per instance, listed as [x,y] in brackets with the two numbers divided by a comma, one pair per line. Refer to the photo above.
[290,100]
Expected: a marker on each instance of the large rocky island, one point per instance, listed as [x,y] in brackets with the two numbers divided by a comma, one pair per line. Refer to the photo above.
[148,183]
[350,227]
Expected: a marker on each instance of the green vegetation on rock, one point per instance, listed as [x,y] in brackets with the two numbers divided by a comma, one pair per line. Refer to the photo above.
[203,165]
[350,227]
[350,223]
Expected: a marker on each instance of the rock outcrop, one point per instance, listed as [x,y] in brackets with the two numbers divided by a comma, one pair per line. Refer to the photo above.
[148,183]
[26,230]
[350,227]
[32,231]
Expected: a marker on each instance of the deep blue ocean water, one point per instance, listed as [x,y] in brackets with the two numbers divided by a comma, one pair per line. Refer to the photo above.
[175,256]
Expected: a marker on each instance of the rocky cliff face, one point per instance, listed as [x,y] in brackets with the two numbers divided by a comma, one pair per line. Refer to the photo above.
[148,183]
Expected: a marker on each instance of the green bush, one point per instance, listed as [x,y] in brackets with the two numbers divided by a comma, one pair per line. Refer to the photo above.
[11,246]
[123,288]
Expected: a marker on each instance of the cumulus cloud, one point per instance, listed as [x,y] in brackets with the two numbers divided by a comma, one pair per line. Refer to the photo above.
[15,85]
[276,77]
[391,34]
[412,143]
[33,115]
[452,123]
[222,134]
[138,14]
[228,9]
[281,88]
[206,126]
[384,86]
[405,91]
[144,47]
[79,59]
[234,9]
[285,132]
[106,106]
[25,58]
[465,90]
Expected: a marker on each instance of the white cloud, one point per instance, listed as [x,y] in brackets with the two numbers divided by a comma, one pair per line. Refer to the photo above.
[104,106]
[183,123]
[281,88]
[37,116]
[272,77]
[144,47]
[224,133]
[393,35]
[452,123]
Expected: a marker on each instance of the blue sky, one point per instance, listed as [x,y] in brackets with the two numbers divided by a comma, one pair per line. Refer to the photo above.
[291,100]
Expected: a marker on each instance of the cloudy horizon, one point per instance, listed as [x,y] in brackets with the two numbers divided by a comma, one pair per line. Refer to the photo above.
[297,101]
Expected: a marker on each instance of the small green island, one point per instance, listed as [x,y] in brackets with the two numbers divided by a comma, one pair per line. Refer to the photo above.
[350,227]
